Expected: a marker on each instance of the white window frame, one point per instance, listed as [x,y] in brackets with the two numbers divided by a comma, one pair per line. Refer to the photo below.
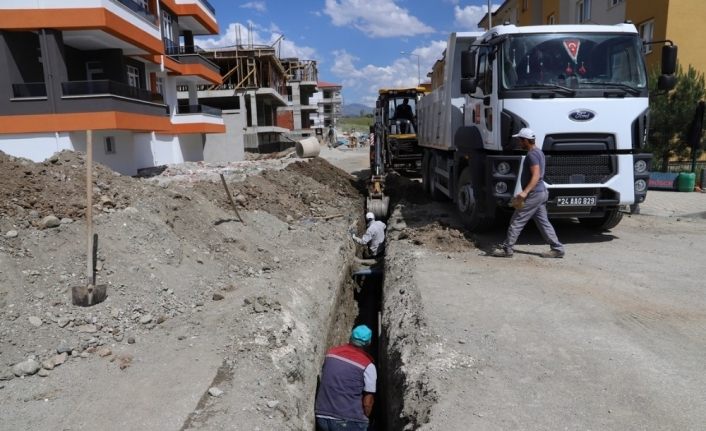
[133,76]
[647,31]
[109,144]
[551,19]
[159,83]
[142,3]
[168,26]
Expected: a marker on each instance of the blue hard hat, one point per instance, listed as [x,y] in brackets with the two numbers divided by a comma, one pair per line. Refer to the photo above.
[361,335]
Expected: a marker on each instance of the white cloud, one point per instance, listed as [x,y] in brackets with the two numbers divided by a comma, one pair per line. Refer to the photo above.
[362,83]
[259,6]
[238,33]
[467,17]
[375,18]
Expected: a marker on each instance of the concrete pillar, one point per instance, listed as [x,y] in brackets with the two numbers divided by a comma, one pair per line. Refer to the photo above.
[253,109]
[297,105]
[193,94]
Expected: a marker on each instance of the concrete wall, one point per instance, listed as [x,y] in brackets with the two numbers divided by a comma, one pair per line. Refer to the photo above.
[36,147]
[228,146]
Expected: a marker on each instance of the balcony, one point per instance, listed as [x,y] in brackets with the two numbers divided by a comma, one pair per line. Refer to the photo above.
[139,10]
[29,90]
[191,55]
[198,109]
[208,6]
[109,88]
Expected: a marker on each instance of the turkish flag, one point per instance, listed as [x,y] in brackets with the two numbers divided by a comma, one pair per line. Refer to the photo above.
[572,48]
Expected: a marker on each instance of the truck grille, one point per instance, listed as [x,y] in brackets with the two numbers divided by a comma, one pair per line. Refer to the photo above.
[579,169]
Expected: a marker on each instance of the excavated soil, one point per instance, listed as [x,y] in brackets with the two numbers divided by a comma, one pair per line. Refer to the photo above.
[196,299]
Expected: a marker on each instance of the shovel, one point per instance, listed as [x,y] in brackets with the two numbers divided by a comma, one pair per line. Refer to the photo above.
[90,294]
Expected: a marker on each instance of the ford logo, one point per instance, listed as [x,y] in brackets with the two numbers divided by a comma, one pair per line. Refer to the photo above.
[582,115]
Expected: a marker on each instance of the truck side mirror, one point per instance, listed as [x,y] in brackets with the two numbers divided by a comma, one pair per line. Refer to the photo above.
[666,82]
[468,85]
[669,59]
[468,64]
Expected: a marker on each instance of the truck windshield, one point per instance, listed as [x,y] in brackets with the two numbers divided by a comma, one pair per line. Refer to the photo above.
[557,62]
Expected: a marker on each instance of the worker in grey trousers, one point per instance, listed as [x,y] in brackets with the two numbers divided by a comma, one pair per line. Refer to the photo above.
[531,202]
[374,237]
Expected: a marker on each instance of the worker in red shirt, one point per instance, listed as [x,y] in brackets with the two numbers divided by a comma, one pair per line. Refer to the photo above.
[348,379]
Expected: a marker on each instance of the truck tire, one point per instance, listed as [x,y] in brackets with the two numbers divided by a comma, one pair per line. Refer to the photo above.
[434,192]
[610,220]
[471,210]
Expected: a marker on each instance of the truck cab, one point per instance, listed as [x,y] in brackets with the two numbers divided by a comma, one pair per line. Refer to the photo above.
[583,90]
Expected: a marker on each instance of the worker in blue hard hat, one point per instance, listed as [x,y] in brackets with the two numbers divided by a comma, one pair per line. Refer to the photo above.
[348,382]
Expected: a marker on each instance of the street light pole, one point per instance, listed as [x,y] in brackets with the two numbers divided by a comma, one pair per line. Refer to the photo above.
[419,76]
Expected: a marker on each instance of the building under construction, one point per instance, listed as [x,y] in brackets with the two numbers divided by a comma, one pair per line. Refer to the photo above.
[254,86]
[302,78]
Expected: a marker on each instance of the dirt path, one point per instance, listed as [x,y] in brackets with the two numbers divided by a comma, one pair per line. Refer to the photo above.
[610,337]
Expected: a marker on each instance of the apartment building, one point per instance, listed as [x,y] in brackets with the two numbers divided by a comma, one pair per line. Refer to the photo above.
[329,102]
[656,20]
[302,78]
[253,88]
[112,66]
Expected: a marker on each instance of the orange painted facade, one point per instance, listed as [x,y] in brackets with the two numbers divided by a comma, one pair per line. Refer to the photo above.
[110,120]
[80,19]
[199,70]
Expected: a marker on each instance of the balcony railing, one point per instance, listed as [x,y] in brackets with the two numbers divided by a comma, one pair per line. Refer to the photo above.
[29,89]
[208,6]
[173,48]
[198,109]
[139,10]
[105,86]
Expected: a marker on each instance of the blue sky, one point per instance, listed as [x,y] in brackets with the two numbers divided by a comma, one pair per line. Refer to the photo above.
[357,43]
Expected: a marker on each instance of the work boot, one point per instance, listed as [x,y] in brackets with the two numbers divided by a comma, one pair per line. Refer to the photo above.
[501,252]
[553,254]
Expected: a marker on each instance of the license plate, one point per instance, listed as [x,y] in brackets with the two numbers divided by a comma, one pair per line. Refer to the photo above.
[576,201]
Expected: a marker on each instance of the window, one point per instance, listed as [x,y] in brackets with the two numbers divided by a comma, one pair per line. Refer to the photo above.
[583,11]
[94,70]
[160,85]
[612,3]
[110,145]
[646,33]
[551,19]
[142,3]
[525,4]
[167,26]
[133,76]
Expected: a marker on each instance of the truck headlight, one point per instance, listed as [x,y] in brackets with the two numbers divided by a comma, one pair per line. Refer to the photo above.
[500,187]
[640,166]
[503,168]
[640,185]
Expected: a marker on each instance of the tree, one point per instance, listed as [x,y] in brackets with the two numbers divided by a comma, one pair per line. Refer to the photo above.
[671,115]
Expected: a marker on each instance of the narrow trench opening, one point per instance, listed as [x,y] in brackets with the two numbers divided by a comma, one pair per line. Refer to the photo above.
[359,303]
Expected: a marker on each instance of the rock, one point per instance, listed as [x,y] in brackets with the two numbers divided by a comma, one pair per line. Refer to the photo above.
[63,347]
[218,297]
[104,351]
[43,373]
[131,340]
[161,319]
[11,234]
[48,364]
[49,222]
[59,359]
[66,220]
[118,337]
[106,201]
[199,303]
[63,321]
[272,404]
[215,392]
[241,199]
[124,361]
[35,321]
[84,354]
[89,329]
[26,368]
[6,374]
[147,318]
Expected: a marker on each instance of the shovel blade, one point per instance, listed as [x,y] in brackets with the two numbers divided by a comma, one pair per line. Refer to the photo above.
[85,296]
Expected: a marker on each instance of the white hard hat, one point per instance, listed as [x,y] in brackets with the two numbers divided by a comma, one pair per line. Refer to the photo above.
[370,216]
[525,133]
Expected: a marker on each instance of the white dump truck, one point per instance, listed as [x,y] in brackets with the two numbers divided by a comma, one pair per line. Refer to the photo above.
[581,88]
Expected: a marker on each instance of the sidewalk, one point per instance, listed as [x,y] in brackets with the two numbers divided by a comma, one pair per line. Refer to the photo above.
[674,204]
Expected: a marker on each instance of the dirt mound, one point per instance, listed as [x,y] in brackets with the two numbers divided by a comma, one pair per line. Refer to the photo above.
[56,187]
[439,237]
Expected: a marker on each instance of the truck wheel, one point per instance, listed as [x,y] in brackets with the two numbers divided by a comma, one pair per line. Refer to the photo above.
[472,212]
[610,220]
[434,192]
